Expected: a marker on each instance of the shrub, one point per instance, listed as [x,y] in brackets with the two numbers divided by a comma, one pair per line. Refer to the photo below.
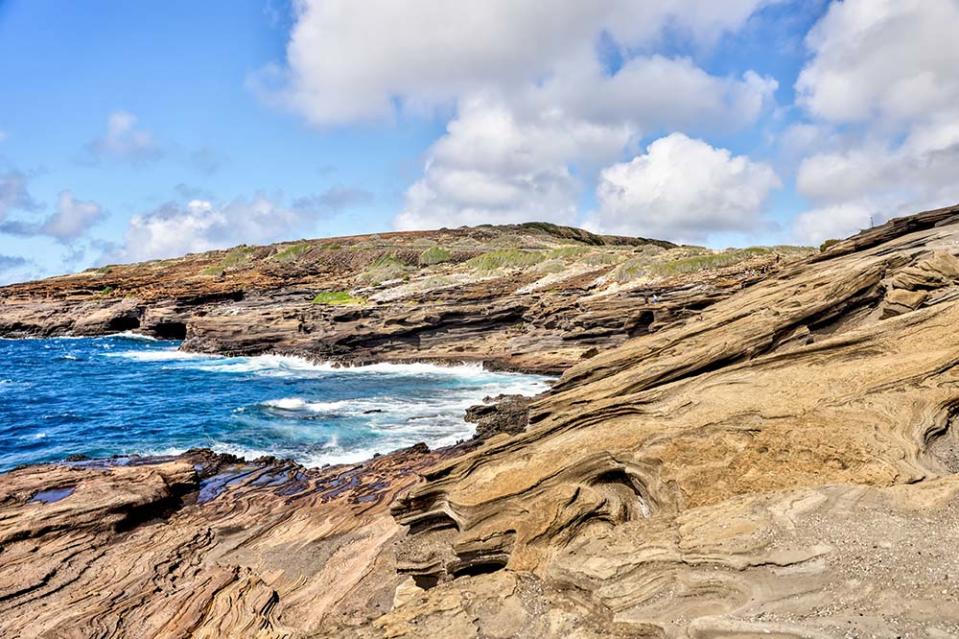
[434,255]
[827,244]
[337,298]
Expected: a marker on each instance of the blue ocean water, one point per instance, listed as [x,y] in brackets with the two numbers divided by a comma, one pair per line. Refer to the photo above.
[125,394]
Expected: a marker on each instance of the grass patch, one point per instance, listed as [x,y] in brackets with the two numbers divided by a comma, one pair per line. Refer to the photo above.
[602,259]
[234,257]
[237,256]
[550,267]
[291,252]
[384,269]
[825,246]
[568,252]
[630,269]
[337,298]
[504,258]
[697,263]
[434,255]
[106,291]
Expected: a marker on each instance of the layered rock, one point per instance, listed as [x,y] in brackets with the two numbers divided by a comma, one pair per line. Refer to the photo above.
[781,462]
[532,297]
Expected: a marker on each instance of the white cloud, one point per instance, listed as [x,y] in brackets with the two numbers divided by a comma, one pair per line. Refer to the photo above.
[491,168]
[888,59]
[196,225]
[535,111]
[72,217]
[430,53]
[683,189]
[889,68]
[831,222]
[14,193]
[525,157]
[124,140]
[3,135]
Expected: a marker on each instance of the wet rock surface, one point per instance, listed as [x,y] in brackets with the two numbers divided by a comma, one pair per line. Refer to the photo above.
[779,463]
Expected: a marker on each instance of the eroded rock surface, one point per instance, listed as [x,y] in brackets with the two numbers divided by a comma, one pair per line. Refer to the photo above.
[780,463]
[530,297]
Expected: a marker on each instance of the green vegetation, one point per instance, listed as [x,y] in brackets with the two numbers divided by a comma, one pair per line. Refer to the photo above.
[292,252]
[564,252]
[826,245]
[237,256]
[337,298]
[384,269]
[505,258]
[631,269]
[233,258]
[552,266]
[601,258]
[434,255]
[105,291]
[697,263]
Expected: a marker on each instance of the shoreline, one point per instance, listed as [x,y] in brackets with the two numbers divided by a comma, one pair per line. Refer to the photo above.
[487,410]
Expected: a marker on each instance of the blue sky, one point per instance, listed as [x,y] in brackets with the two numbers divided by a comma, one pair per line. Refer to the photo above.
[139,130]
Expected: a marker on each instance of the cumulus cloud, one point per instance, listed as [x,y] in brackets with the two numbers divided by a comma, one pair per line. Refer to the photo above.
[887,59]
[492,168]
[72,217]
[177,228]
[125,140]
[886,68]
[536,108]
[523,157]
[335,76]
[683,189]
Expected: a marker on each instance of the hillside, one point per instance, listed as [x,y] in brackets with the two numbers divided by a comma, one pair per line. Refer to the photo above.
[534,297]
[780,461]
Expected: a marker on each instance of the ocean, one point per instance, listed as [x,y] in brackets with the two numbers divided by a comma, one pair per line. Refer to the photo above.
[126,395]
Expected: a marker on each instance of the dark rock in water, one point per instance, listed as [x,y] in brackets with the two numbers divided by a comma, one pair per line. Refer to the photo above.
[76,457]
[373,411]
[502,414]
[778,463]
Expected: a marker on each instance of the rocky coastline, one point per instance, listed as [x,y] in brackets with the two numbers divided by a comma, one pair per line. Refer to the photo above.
[753,444]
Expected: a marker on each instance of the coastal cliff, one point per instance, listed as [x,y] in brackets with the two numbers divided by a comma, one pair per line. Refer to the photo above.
[745,443]
[533,297]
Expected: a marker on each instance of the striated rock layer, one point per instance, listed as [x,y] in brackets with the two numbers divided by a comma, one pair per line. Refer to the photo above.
[532,297]
[781,463]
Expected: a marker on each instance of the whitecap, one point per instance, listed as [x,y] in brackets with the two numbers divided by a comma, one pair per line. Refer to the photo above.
[161,355]
[135,336]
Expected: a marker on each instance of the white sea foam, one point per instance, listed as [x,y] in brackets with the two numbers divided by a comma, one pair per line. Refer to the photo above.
[291,364]
[136,336]
[165,355]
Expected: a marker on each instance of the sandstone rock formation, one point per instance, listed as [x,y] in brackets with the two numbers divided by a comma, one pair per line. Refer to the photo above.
[529,297]
[780,463]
